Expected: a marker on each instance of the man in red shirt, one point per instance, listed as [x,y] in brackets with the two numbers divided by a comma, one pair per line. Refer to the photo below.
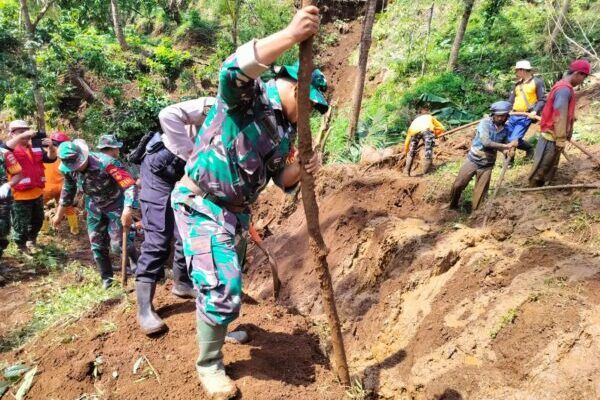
[28,207]
[556,126]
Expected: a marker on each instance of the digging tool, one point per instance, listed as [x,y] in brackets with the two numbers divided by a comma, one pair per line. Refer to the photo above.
[585,151]
[557,187]
[124,257]
[274,268]
[311,209]
[496,189]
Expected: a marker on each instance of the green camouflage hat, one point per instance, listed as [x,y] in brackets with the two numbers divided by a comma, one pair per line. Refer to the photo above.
[318,85]
[72,155]
[109,141]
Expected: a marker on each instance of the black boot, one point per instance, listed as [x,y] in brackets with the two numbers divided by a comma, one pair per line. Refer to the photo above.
[106,271]
[183,290]
[409,161]
[148,320]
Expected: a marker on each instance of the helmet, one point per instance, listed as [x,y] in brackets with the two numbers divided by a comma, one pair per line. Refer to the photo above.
[60,137]
[501,108]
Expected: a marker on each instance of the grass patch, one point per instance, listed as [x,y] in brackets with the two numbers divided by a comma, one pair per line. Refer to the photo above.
[357,391]
[507,319]
[583,227]
[62,305]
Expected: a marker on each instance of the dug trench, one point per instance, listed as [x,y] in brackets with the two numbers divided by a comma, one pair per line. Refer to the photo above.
[433,305]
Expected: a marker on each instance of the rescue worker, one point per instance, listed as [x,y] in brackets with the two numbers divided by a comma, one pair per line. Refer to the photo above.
[9,166]
[162,166]
[527,96]
[54,184]
[556,126]
[28,206]
[425,127]
[109,145]
[243,143]
[491,137]
[110,197]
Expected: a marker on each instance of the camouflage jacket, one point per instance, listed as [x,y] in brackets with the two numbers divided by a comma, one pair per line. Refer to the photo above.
[105,181]
[243,143]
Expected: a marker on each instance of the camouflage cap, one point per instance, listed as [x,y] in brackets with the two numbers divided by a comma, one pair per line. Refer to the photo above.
[72,155]
[110,141]
[318,85]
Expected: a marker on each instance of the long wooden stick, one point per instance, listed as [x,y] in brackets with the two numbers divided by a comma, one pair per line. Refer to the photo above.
[451,131]
[585,151]
[557,187]
[124,257]
[311,209]
[496,190]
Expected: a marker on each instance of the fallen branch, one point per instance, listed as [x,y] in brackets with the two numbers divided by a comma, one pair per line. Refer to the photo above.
[558,187]
[311,209]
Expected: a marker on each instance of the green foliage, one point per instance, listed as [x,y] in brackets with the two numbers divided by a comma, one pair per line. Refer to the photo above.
[196,30]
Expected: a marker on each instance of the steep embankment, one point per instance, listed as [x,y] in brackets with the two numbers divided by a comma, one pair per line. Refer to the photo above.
[433,304]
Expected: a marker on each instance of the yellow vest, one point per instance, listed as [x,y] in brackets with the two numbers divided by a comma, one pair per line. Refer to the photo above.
[530,92]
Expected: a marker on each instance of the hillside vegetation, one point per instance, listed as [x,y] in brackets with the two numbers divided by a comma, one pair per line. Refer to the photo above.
[92,84]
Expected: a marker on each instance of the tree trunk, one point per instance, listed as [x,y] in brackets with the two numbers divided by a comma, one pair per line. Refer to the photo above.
[235,22]
[38,97]
[550,45]
[311,210]
[363,57]
[460,34]
[114,10]
[427,40]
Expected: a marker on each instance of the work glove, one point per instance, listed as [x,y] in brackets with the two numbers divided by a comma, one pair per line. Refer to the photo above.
[5,191]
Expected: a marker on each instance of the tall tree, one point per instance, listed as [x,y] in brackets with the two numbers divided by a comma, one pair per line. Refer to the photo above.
[31,28]
[114,10]
[232,9]
[551,43]
[363,57]
[424,61]
[460,34]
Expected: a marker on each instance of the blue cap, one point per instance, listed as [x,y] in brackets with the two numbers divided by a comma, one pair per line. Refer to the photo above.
[500,107]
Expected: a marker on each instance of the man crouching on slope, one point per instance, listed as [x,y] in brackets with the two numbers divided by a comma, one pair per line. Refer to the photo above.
[243,143]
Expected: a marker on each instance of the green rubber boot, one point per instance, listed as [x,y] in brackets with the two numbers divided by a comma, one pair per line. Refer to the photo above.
[211,370]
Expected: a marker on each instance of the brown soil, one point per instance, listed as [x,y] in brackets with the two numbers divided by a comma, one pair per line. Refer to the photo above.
[282,360]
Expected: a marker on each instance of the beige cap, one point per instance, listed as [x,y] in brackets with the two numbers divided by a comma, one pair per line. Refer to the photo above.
[18,124]
[523,64]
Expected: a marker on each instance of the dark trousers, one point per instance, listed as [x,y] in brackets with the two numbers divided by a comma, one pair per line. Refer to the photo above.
[545,162]
[27,219]
[159,223]
[482,183]
[5,206]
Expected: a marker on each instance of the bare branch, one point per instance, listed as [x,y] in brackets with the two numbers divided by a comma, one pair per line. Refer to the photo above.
[43,12]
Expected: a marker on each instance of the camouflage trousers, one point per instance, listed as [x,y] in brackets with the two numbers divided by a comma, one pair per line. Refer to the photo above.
[428,139]
[27,219]
[214,259]
[5,206]
[105,232]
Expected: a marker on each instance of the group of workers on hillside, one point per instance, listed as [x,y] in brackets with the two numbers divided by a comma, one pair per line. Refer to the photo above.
[213,158]
[504,130]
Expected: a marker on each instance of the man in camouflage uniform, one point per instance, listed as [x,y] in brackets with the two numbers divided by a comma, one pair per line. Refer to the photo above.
[243,143]
[8,165]
[111,196]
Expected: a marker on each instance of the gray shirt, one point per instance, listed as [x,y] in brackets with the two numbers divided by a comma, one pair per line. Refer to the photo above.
[179,122]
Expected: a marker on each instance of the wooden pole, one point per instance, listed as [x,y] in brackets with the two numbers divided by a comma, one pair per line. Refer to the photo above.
[556,187]
[311,209]
[124,257]
[585,151]
[451,131]
[496,190]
